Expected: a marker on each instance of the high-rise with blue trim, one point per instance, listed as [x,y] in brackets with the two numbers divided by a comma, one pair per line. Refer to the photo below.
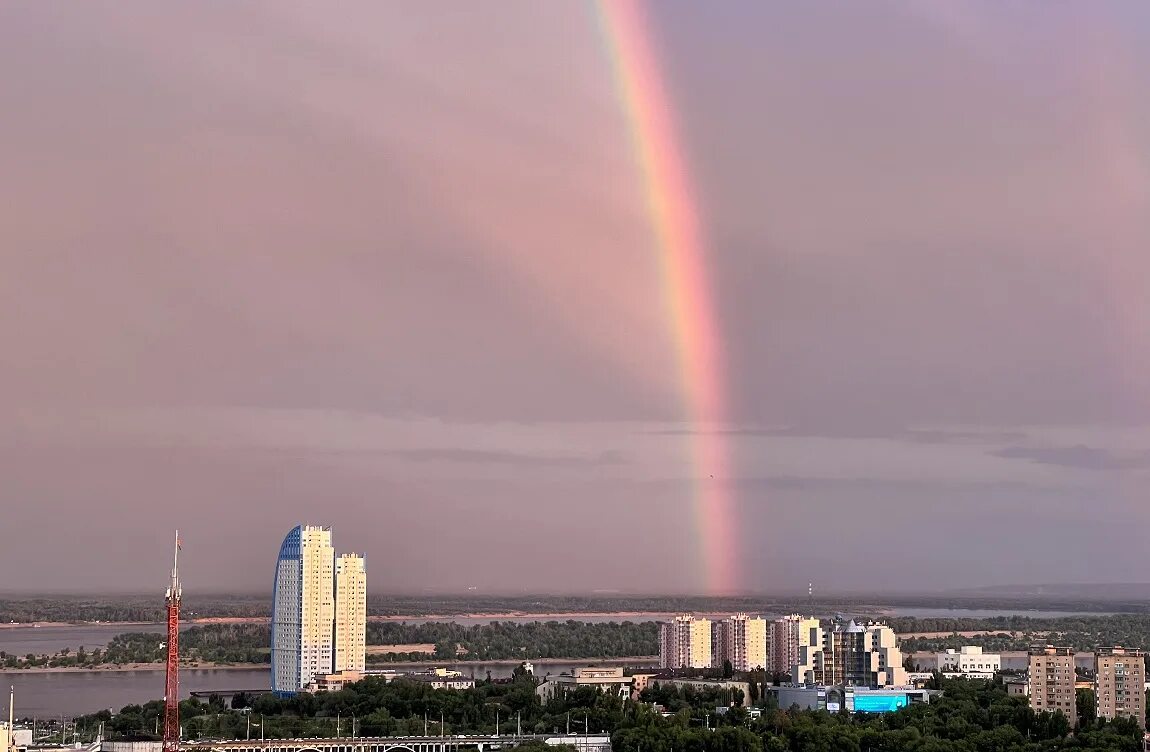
[303,609]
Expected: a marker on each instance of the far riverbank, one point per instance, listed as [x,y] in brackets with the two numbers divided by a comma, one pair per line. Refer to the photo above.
[478,616]
[126,667]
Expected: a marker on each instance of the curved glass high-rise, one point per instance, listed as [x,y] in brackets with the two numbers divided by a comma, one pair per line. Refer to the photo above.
[303,609]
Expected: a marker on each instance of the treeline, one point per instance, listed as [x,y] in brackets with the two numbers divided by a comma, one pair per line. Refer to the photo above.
[127,608]
[1017,633]
[523,641]
[969,716]
[376,708]
[212,643]
[248,643]
[150,608]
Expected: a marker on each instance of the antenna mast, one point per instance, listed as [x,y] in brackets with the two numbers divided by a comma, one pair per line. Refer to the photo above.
[172,684]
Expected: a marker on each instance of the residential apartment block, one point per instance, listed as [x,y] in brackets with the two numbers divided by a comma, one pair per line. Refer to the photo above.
[304,630]
[1119,684]
[1051,678]
[787,635]
[350,613]
[742,640]
[685,642]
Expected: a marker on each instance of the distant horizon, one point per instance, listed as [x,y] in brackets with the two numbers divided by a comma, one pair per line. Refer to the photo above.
[958,593]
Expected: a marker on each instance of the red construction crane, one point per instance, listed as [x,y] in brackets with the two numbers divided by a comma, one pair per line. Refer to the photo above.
[172,684]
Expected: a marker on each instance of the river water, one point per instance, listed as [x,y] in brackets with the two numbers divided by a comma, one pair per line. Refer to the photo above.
[49,640]
[71,693]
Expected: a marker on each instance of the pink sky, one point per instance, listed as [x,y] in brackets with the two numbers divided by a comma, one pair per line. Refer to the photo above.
[390,269]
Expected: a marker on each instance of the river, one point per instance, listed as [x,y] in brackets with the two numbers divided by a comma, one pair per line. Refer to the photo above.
[52,639]
[72,693]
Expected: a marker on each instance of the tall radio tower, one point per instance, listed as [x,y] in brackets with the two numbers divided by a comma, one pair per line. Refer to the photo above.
[172,684]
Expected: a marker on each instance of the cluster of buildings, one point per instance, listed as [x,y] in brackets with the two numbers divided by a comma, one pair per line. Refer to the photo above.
[319,624]
[1119,682]
[319,611]
[831,665]
[747,642]
[810,652]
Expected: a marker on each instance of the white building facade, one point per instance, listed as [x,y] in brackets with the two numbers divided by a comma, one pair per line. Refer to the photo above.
[303,609]
[685,642]
[742,640]
[969,661]
[350,613]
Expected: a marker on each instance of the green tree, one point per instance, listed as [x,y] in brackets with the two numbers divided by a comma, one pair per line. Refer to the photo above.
[1085,704]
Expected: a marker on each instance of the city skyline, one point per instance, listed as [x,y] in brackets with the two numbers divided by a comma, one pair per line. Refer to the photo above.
[430,268]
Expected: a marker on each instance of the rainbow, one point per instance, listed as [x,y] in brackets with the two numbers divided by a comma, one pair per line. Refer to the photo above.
[687,289]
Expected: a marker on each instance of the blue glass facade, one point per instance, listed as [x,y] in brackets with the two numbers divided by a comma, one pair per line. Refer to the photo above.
[884,703]
[287,603]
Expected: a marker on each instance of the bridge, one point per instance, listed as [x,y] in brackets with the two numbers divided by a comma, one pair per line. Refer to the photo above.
[463,743]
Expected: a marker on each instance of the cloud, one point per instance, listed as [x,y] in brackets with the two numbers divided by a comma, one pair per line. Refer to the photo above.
[1078,456]
[509,458]
[941,435]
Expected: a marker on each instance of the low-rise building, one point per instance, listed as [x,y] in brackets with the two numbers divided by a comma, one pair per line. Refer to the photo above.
[640,680]
[609,679]
[1018,686]
[440,678]
[849,698]
[968,661]
[337,681]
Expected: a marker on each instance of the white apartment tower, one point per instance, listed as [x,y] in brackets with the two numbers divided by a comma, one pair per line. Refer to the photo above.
[303,609]
[742,640]
[685,642]
[350,613]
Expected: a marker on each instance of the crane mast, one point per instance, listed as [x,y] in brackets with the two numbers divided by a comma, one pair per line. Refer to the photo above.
[172,677]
